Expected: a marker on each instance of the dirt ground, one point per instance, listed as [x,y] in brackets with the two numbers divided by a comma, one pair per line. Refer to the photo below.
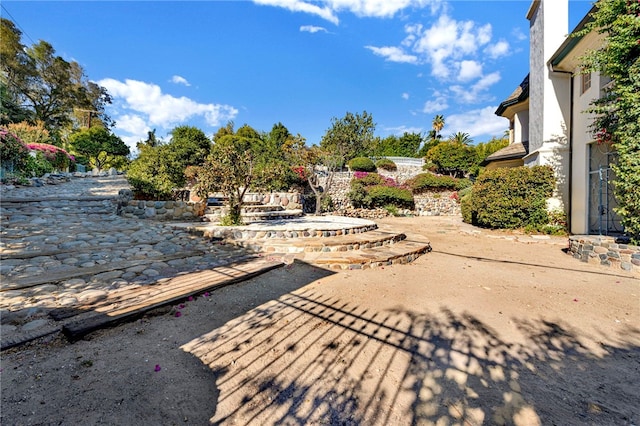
[488,328]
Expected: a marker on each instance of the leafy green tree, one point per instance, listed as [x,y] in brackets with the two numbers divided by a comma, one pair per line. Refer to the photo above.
[617,112]
[452,158]
[238,162]
[350,136]
[485,149]
[99,145]
[406,145]
[39,85]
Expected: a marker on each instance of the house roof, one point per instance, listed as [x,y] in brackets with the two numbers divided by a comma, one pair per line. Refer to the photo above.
[513,151]
[519,95]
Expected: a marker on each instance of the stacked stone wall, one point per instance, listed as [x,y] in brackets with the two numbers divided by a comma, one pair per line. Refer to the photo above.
[435,203]
[604,250]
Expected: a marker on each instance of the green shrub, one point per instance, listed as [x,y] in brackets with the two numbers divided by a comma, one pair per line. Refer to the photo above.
[512,198]
[429,182]
[382,196]
[466,207]
[37,166]
[386,164]
[462,184]
[150,175]
[361,164]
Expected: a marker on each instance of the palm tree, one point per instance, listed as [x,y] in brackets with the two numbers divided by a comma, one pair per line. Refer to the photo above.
[438,124]
[461,138]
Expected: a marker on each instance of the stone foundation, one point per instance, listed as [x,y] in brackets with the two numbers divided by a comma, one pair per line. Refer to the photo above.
[603,250]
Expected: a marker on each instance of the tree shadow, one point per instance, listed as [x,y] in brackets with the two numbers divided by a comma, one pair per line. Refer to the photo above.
[309,358]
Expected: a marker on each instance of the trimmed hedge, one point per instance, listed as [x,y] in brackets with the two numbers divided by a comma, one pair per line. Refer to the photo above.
[361,164]
[382,196]
[510,198]
[429,182]
[386,164]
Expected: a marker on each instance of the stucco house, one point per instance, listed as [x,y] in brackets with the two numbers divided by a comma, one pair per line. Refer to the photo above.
[549,125]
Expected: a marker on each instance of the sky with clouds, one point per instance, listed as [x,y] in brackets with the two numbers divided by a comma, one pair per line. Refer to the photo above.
[298,62]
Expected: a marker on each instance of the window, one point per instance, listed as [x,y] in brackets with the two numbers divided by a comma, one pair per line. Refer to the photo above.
[586,82]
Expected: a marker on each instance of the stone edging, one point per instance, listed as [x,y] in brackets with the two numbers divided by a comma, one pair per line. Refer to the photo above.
[603,250]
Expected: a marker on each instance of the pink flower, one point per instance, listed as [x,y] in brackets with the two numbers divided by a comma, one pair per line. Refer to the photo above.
[181,306]
[157,368]
[206,294]
[190,299]
[178,314]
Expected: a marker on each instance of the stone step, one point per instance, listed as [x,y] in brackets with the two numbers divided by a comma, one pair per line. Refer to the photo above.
[340,243]
[402,252]
[260,216]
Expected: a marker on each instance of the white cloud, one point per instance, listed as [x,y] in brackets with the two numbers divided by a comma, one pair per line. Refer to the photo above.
[393,54]
[469,70]
[300,6]
[405,96]
[437,105]
[312,29]
[498,49]
[401,130]
[476,92]
[328,9]
[139,106]
[478,122]
[519,35]
[180,80]
[447,42]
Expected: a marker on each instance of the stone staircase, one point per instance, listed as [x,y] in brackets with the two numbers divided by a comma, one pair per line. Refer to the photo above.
[333,242]
[252,212]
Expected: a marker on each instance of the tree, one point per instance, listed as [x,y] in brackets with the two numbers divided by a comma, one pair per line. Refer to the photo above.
[617,112]
[452,158]
[311,163]
[39,85]
[238,162]
[437,124]
[485,149]
[406,145]
[461,138]
[350,136]
[99,145]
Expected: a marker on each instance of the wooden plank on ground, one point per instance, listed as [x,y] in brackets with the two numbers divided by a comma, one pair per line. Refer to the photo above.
[81,272]
[203,281]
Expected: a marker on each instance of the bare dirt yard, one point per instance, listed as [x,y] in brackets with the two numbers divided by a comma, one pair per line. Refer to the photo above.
[488,328]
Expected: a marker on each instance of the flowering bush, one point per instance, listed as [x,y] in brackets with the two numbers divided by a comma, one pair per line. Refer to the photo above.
[50,151]
[370,190]
[12,150]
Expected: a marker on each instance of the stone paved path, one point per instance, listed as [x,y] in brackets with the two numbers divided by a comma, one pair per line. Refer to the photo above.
[62,246]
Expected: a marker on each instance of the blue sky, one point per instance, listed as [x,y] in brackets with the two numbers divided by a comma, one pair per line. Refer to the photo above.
[299,62]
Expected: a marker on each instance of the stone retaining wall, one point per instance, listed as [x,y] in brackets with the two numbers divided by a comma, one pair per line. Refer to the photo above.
[442,203]
[603,250]
[169,210]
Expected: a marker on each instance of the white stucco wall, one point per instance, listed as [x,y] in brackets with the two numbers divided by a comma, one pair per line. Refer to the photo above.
[521,125]
[582,138]
[549,95]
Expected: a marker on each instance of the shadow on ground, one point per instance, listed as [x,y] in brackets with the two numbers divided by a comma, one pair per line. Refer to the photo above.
[307,358]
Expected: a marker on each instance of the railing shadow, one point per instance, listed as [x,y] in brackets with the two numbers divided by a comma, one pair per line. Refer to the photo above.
[307,358]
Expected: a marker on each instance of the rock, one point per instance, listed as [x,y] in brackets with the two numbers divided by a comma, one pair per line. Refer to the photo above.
[92,296]
[151,272]
[35,324]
